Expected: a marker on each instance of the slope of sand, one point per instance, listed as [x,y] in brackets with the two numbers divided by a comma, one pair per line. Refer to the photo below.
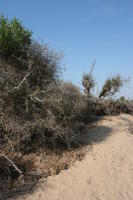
[106,173]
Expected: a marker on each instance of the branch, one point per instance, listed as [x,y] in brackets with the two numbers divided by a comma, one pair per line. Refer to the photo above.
[37,100]
[92,66]
[13,165]
[19,86]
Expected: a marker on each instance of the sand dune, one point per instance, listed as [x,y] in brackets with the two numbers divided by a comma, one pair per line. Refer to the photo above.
[106,173]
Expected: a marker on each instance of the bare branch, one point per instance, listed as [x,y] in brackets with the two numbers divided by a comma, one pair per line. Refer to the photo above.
[13,165]
[20,85]
[17,88]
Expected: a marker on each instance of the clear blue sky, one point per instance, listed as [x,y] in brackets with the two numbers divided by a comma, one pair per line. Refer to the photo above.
[83,30]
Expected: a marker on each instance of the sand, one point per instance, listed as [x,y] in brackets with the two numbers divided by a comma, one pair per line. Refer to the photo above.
[106,172]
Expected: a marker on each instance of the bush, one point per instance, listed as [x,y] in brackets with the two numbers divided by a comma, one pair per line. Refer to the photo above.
[14,38]
[101,107]
[18,87]
[48,110]
[44,64]
[63,105]
[66,102]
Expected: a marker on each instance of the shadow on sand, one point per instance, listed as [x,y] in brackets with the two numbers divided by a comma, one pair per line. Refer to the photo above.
[95,135]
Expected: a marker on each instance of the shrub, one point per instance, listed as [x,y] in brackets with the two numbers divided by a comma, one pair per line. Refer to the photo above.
[14,38]
[48,110]
[17,86]
[66,102]
[63,105]
[44,64]
[101,107]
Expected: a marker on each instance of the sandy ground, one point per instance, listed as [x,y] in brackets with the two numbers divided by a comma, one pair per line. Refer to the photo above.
[106,173]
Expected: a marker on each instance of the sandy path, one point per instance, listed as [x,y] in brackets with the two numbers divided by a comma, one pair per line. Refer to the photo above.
[106,173]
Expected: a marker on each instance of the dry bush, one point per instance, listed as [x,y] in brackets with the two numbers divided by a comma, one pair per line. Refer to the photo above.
[18,84]
[63,105]
[17,175]
[44,109]
[67,102]
[101,107]
[55,123]
[34,166]
[55,118]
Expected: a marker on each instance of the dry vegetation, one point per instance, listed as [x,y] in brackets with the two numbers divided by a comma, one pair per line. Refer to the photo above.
[41,116]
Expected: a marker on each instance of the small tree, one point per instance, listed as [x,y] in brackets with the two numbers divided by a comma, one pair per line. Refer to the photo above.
[88,81]
[111,86]
[13,37]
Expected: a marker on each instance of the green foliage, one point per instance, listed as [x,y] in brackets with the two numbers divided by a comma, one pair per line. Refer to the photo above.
[122,99]
[13,37]
[111,86]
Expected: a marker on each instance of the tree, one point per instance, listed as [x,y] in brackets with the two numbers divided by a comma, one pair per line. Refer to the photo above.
[88,81]
[122,99]
[111,86]
[14,38]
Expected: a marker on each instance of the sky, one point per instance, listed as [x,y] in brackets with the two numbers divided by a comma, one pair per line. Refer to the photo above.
[83,30]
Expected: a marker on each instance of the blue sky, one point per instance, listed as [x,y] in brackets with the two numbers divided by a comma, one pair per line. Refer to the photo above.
[83,30]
